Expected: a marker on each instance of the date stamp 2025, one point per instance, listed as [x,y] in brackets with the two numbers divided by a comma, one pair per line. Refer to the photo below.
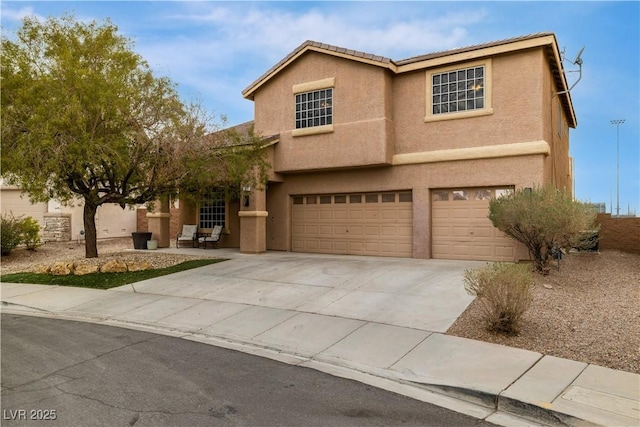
[29,414]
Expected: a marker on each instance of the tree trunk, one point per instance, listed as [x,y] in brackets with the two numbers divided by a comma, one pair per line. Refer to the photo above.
[90,234]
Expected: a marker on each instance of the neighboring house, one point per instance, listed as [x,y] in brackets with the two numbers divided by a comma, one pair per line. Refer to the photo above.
[64,223]
[373,156]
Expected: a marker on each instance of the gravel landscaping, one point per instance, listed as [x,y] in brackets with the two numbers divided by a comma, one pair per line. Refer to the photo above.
[589,310]
[22,260]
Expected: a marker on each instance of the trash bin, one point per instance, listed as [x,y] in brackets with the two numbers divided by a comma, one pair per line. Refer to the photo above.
[140,239]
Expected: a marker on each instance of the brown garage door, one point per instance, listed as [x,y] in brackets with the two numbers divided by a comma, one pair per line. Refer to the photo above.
[359,224]
[461,229]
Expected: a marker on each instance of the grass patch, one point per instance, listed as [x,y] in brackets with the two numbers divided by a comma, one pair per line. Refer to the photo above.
[103,280]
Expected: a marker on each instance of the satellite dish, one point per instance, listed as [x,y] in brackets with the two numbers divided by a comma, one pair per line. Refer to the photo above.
[578,62]
[578,59]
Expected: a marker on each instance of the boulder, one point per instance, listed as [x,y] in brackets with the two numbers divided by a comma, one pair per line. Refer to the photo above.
[139,266]
[114,266]
[82,269]
[62,268]
[42,269]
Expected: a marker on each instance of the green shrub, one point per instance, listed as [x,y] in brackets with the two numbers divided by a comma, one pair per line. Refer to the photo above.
[30,233]
[17,231]
[541,218]
[10,233]
[504,293]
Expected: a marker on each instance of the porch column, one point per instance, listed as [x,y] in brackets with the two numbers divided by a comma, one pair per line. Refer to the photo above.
[159,223]
[253,221]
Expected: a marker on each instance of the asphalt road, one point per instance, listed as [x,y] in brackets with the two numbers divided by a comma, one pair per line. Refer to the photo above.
[63,373]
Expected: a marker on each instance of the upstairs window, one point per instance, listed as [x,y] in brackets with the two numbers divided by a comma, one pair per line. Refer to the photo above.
[458,90]
[314,108]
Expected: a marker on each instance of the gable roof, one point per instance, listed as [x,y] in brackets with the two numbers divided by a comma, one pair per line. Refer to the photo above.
[312,46]
[545,40]
[466,49]
[238,136]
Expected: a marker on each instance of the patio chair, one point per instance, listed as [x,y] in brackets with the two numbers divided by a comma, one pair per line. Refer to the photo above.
[213,238]
[189,234]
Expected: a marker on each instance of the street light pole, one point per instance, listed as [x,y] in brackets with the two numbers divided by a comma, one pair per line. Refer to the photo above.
[617,122]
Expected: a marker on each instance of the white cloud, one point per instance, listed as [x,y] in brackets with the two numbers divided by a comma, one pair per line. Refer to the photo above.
[11,14]
[272,32]
[227,46]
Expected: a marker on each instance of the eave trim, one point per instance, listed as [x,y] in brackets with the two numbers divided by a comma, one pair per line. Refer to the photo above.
[473,153]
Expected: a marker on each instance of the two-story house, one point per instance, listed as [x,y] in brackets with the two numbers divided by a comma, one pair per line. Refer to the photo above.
[373,156]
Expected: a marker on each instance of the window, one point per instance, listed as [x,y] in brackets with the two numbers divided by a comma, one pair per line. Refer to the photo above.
[371,198]
[389,198]
[405,197]
[440,195]
[560,119]
[460,195]
[212,210]
[482,194]
[458,90]
[500,192]
[314,108]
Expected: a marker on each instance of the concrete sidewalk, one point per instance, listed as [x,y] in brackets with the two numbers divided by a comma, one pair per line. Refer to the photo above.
[356,317]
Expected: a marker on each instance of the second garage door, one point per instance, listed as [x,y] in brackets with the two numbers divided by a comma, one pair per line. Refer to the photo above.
[461,228]
[359,224]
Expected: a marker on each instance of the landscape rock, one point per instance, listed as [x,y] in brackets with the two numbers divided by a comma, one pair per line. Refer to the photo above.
[82,269]
[114,266]
[139,266]
[41,269]
[61,268]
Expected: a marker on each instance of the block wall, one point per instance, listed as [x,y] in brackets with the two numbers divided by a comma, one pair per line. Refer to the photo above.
[621,233]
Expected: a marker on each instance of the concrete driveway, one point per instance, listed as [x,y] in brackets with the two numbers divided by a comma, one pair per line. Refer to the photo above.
[375,320]
[421,294]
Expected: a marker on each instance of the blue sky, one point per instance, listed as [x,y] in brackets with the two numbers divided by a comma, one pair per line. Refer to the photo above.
[213,50]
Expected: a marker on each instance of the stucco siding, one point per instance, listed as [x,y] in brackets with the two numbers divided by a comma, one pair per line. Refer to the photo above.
[556,129]
[362,133]
[111,220]
[386,136]
[520,172]
[14,201]
[516,100]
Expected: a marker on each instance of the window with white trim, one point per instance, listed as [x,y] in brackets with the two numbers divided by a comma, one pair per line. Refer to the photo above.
[213,209]
[314,108]
[458,90]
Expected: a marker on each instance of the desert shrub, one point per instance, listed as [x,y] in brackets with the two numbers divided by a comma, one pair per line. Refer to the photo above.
[504,293]
[543,218]
[10,233]
[17,231]
[30,233]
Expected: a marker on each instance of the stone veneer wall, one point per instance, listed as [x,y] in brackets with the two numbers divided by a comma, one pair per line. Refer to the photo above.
[622,233]
[57,227]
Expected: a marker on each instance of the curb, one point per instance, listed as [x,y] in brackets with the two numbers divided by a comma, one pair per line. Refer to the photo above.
[476,403]
[540,414]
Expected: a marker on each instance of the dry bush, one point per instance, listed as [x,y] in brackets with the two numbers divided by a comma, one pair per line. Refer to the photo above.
[504,292]
[543,218]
